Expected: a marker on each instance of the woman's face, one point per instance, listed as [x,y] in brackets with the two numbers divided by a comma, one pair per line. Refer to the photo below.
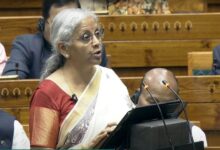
[85,47]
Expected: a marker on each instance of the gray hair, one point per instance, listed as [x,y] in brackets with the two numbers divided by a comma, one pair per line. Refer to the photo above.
[62,30]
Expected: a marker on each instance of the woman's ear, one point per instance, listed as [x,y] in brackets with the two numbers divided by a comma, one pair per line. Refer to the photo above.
[63,50]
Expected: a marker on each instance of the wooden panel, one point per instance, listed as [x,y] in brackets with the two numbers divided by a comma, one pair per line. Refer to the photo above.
[15,97]
[16,93]
[194,89]
[155,53]
[132,83]
[10,27]
[20,7]
[126,54]
[179,27]
[150,53]
[213,137]
[200,88]
[20,12]
[201,93]
[139,71]
[204,89]
[161,27]
[213,5]
[213,1]
[187,6]
[207,113]
[203,100]
[199,61]
[176,6]
[21,114]
[20,3]
[197,123]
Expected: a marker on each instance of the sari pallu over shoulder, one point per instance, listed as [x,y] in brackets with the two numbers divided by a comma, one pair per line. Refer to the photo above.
[76,123]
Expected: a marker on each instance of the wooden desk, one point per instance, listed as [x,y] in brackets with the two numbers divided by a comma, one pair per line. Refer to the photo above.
[202,93]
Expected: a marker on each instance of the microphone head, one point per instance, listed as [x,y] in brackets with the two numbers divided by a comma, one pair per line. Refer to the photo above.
[74,98]
[145,85]
[165,83]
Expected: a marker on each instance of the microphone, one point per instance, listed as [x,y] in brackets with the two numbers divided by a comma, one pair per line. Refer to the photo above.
[184,110]
[161,114]
[215,68]
[74,98]
[16,68]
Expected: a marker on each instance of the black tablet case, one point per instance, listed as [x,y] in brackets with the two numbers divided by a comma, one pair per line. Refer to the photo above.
[171,109]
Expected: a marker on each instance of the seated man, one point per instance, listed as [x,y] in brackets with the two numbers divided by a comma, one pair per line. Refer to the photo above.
[12,134]
[216,61]
[3,58]
[153,79]
[29,52]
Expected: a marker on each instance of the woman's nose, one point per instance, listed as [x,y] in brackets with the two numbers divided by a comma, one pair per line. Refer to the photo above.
[96,41]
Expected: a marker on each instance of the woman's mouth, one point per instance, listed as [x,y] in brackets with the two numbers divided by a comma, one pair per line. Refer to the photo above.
[98,54]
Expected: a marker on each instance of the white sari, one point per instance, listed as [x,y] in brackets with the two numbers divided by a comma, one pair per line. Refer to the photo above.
[104,100]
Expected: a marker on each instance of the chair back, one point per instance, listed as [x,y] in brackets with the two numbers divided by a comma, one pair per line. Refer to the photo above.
[199,63]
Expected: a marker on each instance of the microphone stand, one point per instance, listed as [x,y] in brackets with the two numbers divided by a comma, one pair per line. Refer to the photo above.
[16,68]
[184,110]
[161,114]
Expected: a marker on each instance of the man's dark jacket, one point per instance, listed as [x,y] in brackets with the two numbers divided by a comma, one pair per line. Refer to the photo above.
[216,61]
[6,130]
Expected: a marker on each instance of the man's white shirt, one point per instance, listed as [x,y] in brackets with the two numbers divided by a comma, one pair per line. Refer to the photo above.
[199,135]
[20,139]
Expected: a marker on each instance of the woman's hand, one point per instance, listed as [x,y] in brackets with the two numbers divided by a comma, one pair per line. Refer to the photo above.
[95,143]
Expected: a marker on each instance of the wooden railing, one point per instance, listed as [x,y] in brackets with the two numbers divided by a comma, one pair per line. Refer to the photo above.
[199,91]
[20,7]
[202,93]
[140,42]
[27,7]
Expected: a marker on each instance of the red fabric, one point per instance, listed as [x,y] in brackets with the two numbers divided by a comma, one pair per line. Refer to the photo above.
[48,95]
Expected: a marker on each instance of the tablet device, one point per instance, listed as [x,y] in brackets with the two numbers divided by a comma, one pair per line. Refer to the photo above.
[171,109]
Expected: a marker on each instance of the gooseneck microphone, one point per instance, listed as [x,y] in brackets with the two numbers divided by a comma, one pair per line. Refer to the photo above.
[215,68]
[16,68]
[161,114]
[184,110]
